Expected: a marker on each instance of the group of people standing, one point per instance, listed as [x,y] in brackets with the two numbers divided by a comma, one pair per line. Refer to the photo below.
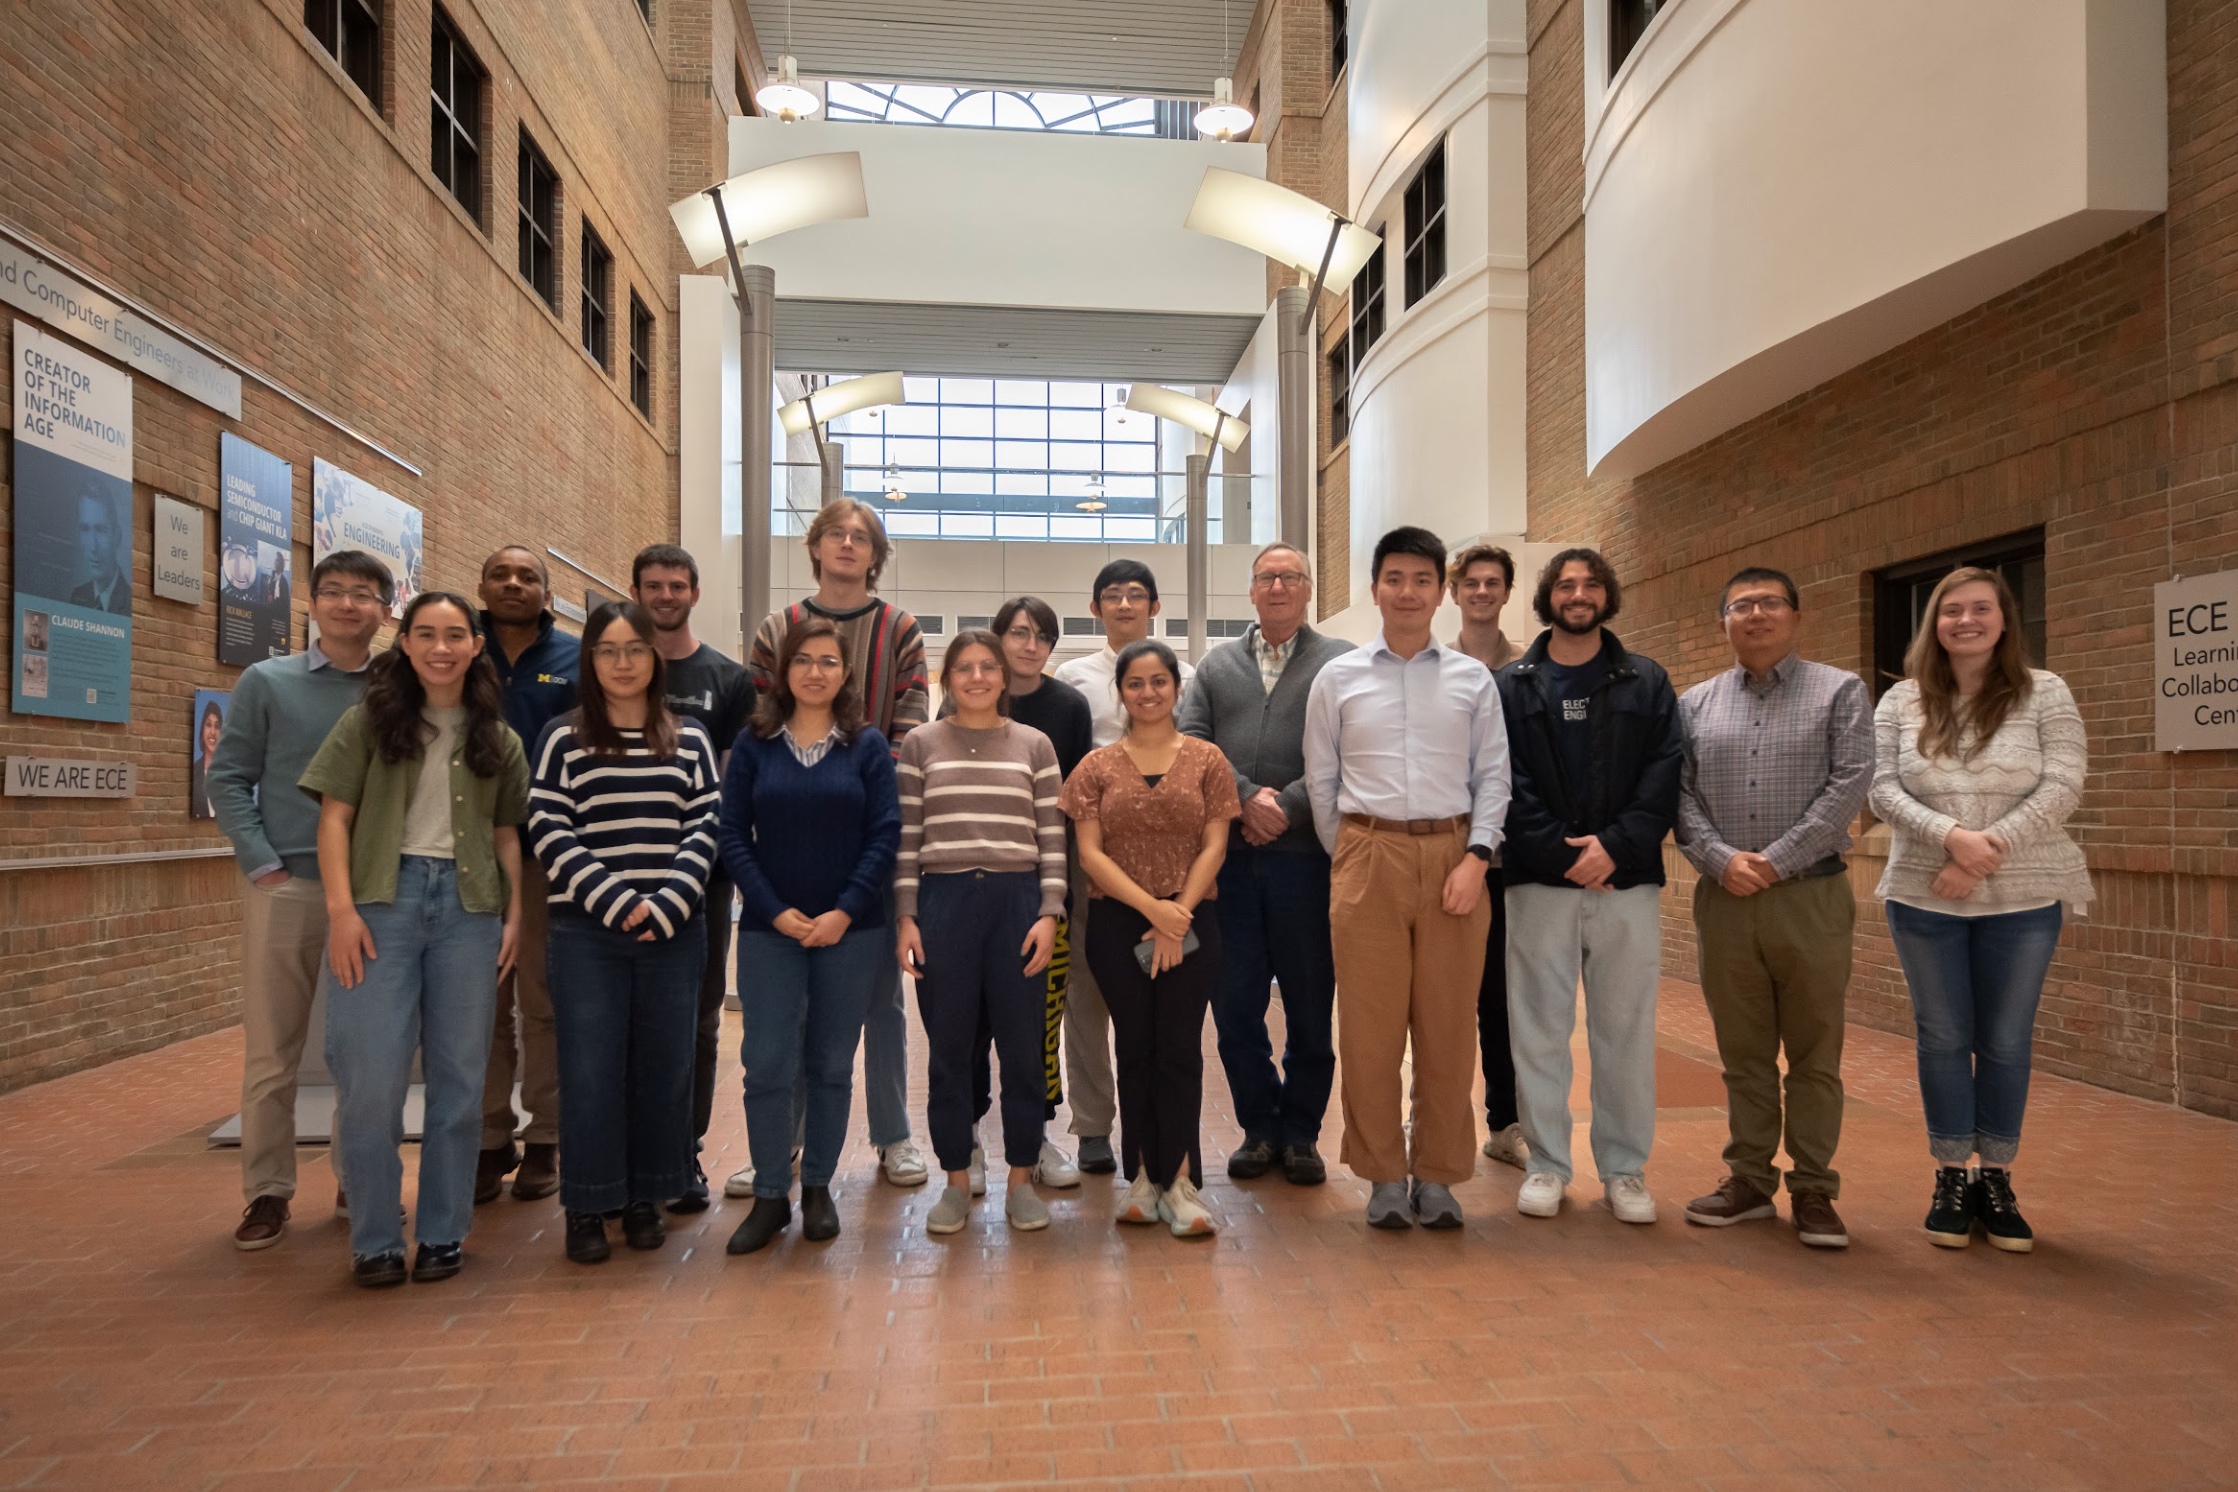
[1453,834]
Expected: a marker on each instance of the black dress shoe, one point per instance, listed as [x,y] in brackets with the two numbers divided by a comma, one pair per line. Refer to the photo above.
[642,1227]
[819,1220]
[436,1261]
[586,1238]
[1251,1160]
[1302,1166]
[694,1196]
[767,1219]
[378,1271]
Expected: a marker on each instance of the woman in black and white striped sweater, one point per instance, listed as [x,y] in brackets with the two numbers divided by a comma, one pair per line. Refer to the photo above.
[622,815]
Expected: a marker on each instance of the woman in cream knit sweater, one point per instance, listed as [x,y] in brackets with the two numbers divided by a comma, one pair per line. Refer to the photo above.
[1980,763]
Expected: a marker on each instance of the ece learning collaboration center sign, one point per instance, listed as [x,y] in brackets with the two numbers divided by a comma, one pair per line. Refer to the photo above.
[2195,663]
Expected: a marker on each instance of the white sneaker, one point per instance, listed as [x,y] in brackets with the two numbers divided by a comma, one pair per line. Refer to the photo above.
[1184,1211]
[1508,1147]
[903,1164]
[741,1183]
[1628,1198]
[978,1171]
[1055,1168]
[1541,1195]
[1140,1204]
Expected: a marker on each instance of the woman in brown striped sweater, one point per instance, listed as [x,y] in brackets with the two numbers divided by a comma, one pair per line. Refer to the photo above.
[979,886]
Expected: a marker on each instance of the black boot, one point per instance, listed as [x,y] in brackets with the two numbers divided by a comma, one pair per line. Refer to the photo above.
[1998,1213]
[819,1220]
[1950,1217]
[767,1219]
[586,1238]
[642,1227]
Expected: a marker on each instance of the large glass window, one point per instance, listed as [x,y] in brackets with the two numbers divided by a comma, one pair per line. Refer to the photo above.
[1425,224]
[350,30]
[1009,109]
[455,116]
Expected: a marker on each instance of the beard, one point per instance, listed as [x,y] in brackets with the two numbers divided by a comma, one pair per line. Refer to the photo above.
[1576,629]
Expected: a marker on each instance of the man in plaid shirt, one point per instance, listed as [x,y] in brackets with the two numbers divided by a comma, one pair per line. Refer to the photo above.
[1779,758]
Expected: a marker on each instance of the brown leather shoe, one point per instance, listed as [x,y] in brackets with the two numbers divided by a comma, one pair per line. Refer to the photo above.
[264,1222]
[538,1176]
[1734,1201]
[490,1171]
[1816,1221]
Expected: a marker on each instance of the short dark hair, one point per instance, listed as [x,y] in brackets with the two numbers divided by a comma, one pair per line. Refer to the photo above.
[543,571]
[1480,554]
[667,557]
[1133,653]
[1122,572]
[358,565]
[1042,614]
[1760,575]
[1407,539]
[1542,600]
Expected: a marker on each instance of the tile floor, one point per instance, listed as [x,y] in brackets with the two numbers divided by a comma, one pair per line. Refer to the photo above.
[1298,1350]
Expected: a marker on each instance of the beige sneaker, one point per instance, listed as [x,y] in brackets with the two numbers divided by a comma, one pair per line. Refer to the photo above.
[1140,1204]
[1184,1211]
[1508,1147]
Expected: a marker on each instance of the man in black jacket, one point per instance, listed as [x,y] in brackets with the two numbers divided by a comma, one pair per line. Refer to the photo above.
[1596,751]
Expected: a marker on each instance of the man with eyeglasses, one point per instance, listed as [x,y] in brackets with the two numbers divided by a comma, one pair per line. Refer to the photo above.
[1779,759]
[539,666]
[847,552]
[718,693]
[282,710]
[1250,701]
[1125,600]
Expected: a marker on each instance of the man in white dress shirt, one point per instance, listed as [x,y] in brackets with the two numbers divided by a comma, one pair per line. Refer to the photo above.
[1406,765]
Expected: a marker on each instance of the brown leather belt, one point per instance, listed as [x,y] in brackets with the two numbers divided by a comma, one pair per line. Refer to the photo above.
[1408,826]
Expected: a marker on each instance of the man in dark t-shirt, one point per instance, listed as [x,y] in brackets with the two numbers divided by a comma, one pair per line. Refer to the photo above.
[718,693]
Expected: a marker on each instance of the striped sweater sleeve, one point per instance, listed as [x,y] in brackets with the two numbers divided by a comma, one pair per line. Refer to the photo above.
[1049,825]
[912,699]
[909,782]
[578,877]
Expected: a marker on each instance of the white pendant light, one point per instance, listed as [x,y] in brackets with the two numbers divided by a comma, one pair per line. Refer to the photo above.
[1093,502]
[1223,118]
[784,98]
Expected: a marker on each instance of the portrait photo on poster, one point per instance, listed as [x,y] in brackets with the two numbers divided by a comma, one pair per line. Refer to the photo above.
[256,522]
[210,706]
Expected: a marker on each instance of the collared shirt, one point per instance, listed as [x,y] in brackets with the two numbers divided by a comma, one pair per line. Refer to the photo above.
[1407,738]
[1095,676]
[814,751]
[1272,657]
[1779,767]
[320,660]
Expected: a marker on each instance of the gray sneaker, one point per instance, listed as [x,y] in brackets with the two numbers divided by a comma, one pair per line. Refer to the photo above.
[1095,1155]
[1387,1206]
[1435,1205]
[950,1213]
[1025,1209]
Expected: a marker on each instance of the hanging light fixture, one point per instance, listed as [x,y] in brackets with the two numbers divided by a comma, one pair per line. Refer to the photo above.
[894,494]
[784,98]
[1223,118]
[1093,502]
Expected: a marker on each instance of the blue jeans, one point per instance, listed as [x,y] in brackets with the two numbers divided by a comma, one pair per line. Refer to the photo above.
[1975,984]
[886,1053]
[1274,924]
[625,1013]
[803,1017]
[973,923]
[431,987]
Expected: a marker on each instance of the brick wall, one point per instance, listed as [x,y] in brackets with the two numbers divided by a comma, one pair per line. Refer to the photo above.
[211,162]
[2099,401]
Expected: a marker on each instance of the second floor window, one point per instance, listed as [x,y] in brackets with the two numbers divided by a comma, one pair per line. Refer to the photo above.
[350,30]
[1628,22]
[1425,223]
[1340,392]
[1367,304]
[598,297]
[455,117]
[539,187]
[640,356]
[1337,10]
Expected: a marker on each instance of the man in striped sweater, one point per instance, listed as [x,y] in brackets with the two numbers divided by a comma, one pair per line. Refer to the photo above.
[847,551]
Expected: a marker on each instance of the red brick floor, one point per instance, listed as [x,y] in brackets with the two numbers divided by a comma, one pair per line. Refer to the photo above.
[1298,1350]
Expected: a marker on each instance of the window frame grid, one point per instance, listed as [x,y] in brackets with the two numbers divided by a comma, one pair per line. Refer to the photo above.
[1368,298]
[1425,226]
[453,126]
[330,23]
[539,230]
[640,355]
[597,297]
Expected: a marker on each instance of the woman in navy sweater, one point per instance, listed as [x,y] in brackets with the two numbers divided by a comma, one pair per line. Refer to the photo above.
[622,816]
[810,826]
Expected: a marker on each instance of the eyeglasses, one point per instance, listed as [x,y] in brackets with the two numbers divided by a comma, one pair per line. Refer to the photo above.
[1133,595]
[635,652]
[817,663]
[1024,635]
[1276,579]
[1749,605]
[975,670]
[353,597]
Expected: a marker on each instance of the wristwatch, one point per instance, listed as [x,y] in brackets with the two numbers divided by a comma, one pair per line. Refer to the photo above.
[1482,852]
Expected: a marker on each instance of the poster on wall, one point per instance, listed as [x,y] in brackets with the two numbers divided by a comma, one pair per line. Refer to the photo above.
[351,513]
[256,527]
[210,706]
[73,532]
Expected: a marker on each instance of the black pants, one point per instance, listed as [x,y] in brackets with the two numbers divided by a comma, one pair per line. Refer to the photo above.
[973,924]
[1492,1012]
[714,984]
[1053,1024]
[1157,1039]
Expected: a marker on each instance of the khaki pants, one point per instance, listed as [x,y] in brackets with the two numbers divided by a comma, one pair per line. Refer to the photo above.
[538,1048]
[1775,974]
[1090,1086]
[1405,967]
[283,941]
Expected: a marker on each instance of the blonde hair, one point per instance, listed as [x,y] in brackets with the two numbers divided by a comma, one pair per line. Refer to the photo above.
[838,511]
[1944,716]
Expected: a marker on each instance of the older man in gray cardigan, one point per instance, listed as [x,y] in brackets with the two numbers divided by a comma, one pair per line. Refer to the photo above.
[1249,699]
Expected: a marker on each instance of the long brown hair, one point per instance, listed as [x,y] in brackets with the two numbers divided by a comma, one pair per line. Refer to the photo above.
[976,637]
[394,697]
[775,706]
[594,725]
[1944,716]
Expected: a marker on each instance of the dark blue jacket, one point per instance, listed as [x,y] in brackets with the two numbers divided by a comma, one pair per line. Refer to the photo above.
[540,685]
[813,839]
[1631,798]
